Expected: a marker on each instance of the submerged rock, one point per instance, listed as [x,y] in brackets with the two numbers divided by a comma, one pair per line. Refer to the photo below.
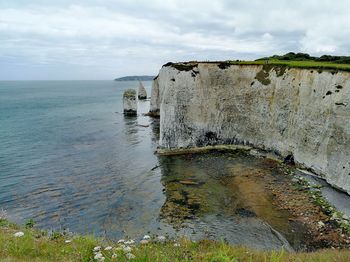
[129,102]
[142,94]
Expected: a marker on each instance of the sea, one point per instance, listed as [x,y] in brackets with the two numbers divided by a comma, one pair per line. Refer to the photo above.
[71,161]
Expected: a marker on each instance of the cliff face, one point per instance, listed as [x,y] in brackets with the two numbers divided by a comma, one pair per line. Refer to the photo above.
[299,112]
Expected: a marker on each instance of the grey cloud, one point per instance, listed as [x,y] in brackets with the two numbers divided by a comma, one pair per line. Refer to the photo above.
[101,40]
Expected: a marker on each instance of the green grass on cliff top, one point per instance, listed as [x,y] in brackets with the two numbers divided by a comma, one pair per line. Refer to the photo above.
[298,64]
[36,245]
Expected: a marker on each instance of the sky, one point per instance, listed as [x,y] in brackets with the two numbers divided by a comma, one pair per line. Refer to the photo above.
[96,39]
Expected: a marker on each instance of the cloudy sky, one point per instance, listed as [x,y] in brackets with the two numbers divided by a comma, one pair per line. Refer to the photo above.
[96,39]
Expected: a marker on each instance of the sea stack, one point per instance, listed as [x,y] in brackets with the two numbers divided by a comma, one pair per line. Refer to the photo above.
[142,94]
[129,102]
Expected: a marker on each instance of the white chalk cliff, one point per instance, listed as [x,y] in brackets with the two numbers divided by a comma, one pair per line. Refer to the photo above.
[291,111]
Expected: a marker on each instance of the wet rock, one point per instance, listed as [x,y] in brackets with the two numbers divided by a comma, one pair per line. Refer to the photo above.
[142,94]
[245,212]
[129,102]
[189,182]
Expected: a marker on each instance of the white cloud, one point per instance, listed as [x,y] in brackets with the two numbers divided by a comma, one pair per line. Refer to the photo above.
[141,35]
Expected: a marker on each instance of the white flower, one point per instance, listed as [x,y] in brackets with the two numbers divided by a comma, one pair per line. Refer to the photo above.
[121,247]
[161,238]
[68,241]
[99,257]
[19,234]
[114,255]
[144,242]
[146,237]
[130,242]
[130,256]
[97,249]
[121,241]
[108,248]
[176,245]
[127,249]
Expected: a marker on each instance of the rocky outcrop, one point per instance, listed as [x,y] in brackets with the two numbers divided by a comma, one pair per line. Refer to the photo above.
[142,94]
[129,102]
[301,114]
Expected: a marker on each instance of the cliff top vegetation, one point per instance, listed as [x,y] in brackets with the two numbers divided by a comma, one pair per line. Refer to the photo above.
[293,60]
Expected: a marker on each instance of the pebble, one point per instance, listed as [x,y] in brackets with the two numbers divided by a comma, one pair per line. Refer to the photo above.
[108,248]
[320,224]
[68,241]
[121,241]
[146,237]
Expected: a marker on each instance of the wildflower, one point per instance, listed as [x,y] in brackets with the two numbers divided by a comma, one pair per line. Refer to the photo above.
[144,242]
[108,248]
[176,245]
[19,234]
[121,247]
[121,241]
[130,242]
[127,249]
[130,256]
[114,255]
[68,241]
[99,257]
[97,249]
[161,238]
[146,237]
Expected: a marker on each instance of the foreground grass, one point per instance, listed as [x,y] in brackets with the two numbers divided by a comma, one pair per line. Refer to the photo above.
[36,245]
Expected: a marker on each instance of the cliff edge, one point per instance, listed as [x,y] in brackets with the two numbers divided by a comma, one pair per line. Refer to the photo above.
[304,113]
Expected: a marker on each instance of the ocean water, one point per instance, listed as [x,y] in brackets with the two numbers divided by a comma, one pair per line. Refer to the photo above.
[69,159]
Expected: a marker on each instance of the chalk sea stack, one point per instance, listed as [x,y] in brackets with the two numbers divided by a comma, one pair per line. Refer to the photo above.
[142,94]
[129,102]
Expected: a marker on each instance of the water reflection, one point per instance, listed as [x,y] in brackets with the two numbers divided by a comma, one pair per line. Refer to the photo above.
[131,129]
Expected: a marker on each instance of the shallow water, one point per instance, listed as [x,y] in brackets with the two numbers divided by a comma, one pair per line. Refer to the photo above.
[70,159]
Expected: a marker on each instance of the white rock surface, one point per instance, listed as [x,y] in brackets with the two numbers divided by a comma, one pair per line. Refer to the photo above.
[299,112]
[141,94]
[130,102]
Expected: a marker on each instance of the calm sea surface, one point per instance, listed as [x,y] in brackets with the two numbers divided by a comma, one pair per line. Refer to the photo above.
[70,159]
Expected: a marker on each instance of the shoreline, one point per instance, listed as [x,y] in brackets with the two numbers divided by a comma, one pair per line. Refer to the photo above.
[326,226]
[27,244]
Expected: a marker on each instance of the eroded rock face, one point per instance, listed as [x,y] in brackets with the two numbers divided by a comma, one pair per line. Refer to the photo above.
[129,102]
[142,94]
[302,113]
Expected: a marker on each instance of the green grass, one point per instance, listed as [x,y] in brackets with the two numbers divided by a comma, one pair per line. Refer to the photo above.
[298,64]
[36,245]
[319,66]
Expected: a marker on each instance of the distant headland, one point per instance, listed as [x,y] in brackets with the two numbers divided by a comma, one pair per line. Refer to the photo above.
[135,78]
